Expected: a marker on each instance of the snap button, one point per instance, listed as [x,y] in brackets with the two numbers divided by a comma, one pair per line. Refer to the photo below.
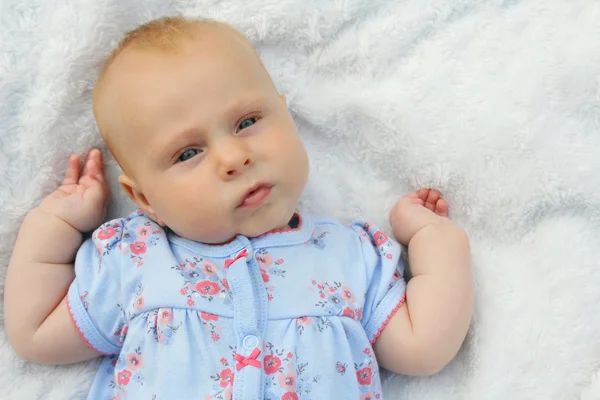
[250,342]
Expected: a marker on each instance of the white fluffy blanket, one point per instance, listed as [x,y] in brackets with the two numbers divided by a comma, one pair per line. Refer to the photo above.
[496,103]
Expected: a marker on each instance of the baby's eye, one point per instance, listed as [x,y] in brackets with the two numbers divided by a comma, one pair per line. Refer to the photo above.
[247,123]
[186,155]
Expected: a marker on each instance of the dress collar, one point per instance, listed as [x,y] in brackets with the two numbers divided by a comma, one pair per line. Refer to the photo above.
[273,238]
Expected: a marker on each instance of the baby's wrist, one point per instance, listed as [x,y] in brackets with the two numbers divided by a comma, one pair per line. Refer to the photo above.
[437,225]
[41,216]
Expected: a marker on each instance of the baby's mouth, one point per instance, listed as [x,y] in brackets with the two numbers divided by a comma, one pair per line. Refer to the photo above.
[255,196]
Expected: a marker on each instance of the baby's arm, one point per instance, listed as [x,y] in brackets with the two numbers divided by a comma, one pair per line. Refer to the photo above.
[428,330]
[40,271]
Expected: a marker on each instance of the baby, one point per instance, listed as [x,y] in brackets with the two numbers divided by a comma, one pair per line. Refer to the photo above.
[217,287]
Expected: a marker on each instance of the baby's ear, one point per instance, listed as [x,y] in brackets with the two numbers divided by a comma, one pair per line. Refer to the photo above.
[132,189]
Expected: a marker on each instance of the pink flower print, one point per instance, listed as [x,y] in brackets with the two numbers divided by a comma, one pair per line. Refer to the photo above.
[347,294]
[208,316]
[121,332]
[215,337]
[290,396]
[265,276]
[367,350]
[207,287]
[123,377]
[364,376]
[134,361]
[359,313]
[223,361]
[226,377]
[209,269]
[143,233]
[138,248]
[348,312]
[190,302]
[380,238]
[367,396]
[106,233]
[225,284]
[264,259]
[183,291]
[165,316]
[388,256]
[139,303]
[332,289]
[272,364]
[288,382]
[290,355]
[314,282]
[304,321]
[269,296]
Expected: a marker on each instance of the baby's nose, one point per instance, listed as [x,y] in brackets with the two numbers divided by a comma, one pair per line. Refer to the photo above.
[234,157]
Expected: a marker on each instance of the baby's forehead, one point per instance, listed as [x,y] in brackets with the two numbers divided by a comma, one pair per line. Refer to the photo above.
[200,38]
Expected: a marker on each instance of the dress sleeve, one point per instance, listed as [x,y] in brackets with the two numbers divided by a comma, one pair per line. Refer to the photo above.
[94,297]
[386,286]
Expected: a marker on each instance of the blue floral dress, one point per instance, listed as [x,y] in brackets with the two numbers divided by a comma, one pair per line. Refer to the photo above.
[287,315]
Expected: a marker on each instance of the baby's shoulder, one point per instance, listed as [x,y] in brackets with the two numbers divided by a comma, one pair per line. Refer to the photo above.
[118,229]
[323,223]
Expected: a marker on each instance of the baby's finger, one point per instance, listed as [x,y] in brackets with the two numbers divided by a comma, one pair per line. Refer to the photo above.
[72,173]
[423,193]
[432,199]
[94,166]
[441,208]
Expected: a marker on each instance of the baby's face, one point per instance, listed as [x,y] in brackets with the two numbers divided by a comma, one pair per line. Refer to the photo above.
[206,142]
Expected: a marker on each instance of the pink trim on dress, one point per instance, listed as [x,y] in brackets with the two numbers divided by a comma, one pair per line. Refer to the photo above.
[380,330]
[286,229]
[80,332]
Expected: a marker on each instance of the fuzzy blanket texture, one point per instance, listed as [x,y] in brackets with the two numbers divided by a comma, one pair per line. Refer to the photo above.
[496,103]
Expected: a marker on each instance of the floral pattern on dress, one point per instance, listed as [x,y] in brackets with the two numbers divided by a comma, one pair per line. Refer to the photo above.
[269,268]
[318,323]
[160,324]
[222,388]
[286,377]
[317,240]
[105,238]
[202,279]
[136,240]
[127,370]
[210,323]
[366,376]
[83,299]
[337,299]
[381,241]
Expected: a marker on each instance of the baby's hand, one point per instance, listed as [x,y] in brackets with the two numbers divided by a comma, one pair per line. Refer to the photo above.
[415,211]
[81,200]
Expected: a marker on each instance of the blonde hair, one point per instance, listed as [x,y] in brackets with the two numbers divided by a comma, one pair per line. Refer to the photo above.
[164,34]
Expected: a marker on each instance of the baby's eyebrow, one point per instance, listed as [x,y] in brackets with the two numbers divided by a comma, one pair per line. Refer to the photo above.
[245,104]
[173,142]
